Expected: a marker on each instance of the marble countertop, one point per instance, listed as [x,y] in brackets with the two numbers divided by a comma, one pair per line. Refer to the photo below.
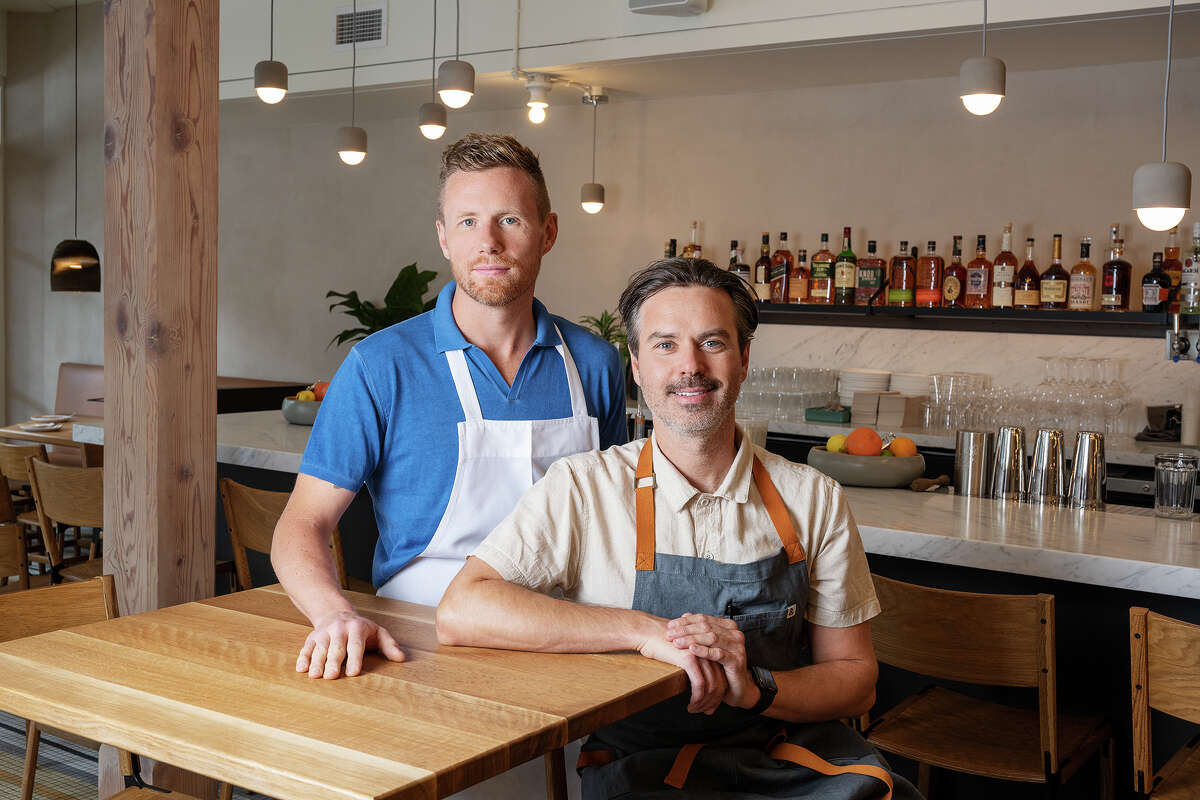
[1132,551]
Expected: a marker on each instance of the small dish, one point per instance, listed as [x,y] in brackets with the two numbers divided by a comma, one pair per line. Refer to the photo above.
[52,417]
[878,471]
[300,412]
[40,427]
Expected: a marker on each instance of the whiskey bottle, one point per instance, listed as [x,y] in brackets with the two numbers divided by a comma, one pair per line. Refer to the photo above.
[820,286]
[929,278]
[1173,267]
[762,269]
[1156,287]
[798,282]
[870,277]
[955,279]
[736,265]
[979,277]
[1082,294]
[845,272]
[1056,279]
[1115,275]
[782,263]
[1004,271]
[692,249]
[1027,287]
[1189,282]
[669,250]
[903,279]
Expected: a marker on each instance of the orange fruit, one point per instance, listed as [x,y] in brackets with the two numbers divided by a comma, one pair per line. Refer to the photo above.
[903,447]
[863,442]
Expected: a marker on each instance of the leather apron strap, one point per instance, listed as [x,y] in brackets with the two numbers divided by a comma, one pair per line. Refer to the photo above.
[782,752]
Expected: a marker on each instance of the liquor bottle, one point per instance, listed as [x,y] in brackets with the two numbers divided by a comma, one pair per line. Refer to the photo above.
[902,281]
[1055,280]
[1189,282]
[955,278]
[669,250]
[1173,267]
[820,286]
[798,281]
[1004,271]
[929,278]
[870,277]
[692,249]
[1082,294]
[1156,287]
[762,269]
[782,263]
[736,265]
[845,272]
[1115,275]
[1027,287]
[979,277]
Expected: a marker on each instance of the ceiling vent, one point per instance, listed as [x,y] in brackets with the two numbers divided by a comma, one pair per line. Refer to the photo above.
[674,8]
[367,27]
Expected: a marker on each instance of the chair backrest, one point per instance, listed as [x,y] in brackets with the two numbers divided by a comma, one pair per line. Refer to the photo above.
[251,515]
[67,495]
[14,558]
[13,456]
[989,639]
[78,385]
[1164,659]
[54,607]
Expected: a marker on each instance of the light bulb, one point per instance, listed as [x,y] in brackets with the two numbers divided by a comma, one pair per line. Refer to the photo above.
[981,104]
[352,157]
[1160,219]
[432,131]
[592,208]
[269,94]
[455,98]
[537,113]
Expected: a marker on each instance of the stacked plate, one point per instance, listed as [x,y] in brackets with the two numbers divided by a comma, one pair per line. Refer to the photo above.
[914,383]
[861,380]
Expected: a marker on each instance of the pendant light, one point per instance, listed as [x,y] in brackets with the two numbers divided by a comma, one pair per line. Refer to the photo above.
[981,79]
[75,265]
[352,140]
[432,117]
[271,76]
[591,196]
[1162,190]
[539,87]
[456,79]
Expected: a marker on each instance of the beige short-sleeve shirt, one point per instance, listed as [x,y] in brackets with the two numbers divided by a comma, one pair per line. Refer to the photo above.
[575,532]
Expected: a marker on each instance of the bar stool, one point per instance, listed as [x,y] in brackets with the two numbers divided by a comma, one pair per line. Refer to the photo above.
[1164,670]
[990,640]
[70,496]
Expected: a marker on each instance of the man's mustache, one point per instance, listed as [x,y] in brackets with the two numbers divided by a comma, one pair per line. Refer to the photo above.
[701,382]
[503,261]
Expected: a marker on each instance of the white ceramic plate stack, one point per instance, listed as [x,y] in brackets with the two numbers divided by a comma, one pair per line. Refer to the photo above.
[914,383]
[861,380]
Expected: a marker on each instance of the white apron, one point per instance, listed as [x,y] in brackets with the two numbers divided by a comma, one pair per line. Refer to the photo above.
[498,460]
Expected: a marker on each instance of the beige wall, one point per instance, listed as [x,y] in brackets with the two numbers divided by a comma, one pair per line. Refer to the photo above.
[895,160]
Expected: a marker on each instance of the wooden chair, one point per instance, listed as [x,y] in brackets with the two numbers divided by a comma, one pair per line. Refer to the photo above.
[12,465]
[1164,656]
[71,496]
[993,640]
[251,515]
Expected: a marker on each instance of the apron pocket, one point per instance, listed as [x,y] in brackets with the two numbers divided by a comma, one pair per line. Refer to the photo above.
[774,639]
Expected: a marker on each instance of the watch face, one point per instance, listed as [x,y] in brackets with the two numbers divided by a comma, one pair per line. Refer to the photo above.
[765,680]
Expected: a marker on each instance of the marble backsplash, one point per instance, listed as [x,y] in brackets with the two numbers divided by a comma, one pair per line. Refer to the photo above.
[1011,358]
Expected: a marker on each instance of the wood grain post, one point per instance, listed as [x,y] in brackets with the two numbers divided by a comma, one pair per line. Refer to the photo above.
[160,304]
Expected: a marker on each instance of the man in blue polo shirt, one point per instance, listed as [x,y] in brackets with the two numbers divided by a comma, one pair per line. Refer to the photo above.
[448,417]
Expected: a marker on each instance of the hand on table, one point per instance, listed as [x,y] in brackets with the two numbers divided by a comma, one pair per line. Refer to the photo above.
[717,641]
[706,677]
[344,636]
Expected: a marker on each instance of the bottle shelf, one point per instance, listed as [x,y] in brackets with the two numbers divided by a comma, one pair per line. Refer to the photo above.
[1136,324]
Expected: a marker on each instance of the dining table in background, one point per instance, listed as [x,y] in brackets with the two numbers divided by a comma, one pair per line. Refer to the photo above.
[92,455]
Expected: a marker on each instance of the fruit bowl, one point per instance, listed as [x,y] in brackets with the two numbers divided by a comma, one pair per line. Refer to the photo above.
[877,471]
[300,412]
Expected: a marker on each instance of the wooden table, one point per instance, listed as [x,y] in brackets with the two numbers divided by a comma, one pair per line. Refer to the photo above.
[212,687]
[89,453]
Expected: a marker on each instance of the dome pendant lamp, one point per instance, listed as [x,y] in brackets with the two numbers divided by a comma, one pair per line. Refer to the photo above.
[456,79]
[981,79]
[432,117]
[352,140]
[1162,190]
[271,77]
[75,265]
[591,196]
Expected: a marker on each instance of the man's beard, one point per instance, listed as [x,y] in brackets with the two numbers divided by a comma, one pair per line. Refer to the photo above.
[498,292]
[697,419]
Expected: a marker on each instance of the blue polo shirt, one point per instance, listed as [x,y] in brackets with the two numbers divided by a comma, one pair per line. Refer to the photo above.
[390,417]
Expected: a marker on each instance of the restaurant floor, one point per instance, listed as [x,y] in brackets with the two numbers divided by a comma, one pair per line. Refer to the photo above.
[66,771]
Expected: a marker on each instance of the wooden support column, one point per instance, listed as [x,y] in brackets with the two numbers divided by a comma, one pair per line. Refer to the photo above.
[160,307]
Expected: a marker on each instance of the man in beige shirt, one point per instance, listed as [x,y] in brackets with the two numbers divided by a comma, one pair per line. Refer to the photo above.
[701,550]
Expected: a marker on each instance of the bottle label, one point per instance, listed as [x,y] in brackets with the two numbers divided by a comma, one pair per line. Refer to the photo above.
[869,279]
[777,272]
[797,290]
[763,290]
[1191,271]
[977,282]
[1026,297]
[1153,294]
[843,275]
[951,289]
[1110,300]
[1002,296]
[821,270]
[931,297]
[1003,273]
[1054,291]
[1080,298]
[897,296]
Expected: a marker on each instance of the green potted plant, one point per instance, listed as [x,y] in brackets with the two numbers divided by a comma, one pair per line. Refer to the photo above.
[608,326]
[405,298]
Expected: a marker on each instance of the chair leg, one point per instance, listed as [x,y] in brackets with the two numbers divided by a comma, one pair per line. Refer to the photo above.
[33,737]
[924,779]
[556,775]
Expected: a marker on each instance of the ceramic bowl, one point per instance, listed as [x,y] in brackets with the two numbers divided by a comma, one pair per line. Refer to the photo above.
[300,412]
[878,471]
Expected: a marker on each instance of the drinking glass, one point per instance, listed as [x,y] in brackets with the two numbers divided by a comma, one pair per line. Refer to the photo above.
[1174,485]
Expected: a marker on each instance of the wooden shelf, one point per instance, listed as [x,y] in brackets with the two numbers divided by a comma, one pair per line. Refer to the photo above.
[1067,323]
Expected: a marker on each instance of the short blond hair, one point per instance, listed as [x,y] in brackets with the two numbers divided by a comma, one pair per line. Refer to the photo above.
[476,152]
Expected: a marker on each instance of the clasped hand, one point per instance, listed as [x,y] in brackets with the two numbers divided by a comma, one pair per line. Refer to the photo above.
[717,641]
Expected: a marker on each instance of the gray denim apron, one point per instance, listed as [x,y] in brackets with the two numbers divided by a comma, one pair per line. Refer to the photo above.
[666,752]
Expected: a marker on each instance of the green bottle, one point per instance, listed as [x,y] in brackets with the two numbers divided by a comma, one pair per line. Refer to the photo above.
[845,273]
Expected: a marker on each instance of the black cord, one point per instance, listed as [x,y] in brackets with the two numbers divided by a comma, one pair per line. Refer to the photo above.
[595,106]
[76,119]
[457,17]
[272,30]
[1167,84]
[433,59]
[354,55]
[985,27]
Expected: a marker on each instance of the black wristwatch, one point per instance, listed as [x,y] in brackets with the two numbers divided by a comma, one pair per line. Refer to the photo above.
[767,689]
